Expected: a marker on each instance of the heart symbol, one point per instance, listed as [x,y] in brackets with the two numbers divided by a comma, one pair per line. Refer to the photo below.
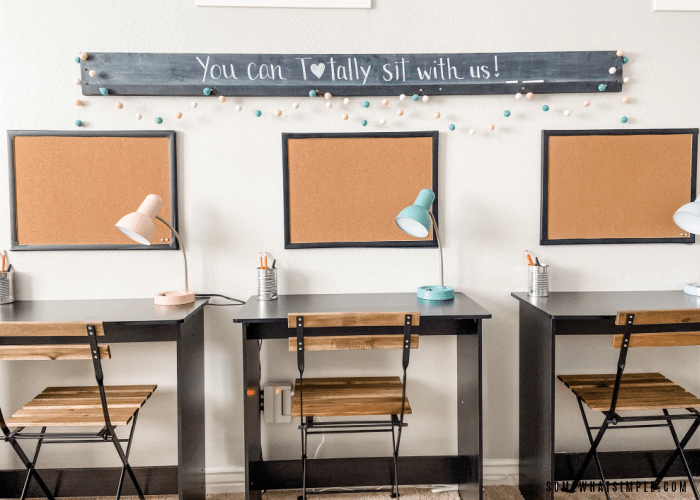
[317,69]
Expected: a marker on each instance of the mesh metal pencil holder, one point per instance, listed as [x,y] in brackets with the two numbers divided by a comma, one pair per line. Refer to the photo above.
[267,284]
[7,287]
[538,281]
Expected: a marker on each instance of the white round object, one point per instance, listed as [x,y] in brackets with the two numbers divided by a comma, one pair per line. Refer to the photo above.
[382,121]
[344,116]
[426,98]
[329,104]
[399,112]
[612,70]
[625,100]
[518,95]
[402,97]
[472,131]
[295,105]
[178,115]
[626,79]
[327,95]
[238,107]
[77,81]
[92,73]
[194,104]
[620,53]
[138,116]
[222,98]
[346,101]
[279,112]
[492,127]
[567,112]
[586,104]
[529,95]
[436,115]
[385,102]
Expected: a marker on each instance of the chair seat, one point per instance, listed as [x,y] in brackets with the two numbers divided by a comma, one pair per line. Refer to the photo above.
[638,391]
[81,406]
[349,396]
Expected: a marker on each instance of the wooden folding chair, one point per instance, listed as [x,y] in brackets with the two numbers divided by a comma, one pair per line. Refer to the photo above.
[351,396]
[102,406]
[618,392]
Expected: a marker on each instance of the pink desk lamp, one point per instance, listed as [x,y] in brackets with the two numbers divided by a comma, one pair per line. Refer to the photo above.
[140,227]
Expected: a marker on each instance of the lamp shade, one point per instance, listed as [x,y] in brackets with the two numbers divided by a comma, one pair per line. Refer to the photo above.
[139,225]
[415,219]
[688,217]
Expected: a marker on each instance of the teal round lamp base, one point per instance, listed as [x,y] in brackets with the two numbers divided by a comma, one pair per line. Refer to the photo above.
[436,292]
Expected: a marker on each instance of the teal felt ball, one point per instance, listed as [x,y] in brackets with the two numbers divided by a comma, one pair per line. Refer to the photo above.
[78,123]
[159,120]
[545,108]
[623,119]
[414,97]
[602,87]
[506,113]
[206,91]
[452,126]
[312,93]
[103,91]
[624,60]
[363,123]
[258,113]
[365,104]
[77,59]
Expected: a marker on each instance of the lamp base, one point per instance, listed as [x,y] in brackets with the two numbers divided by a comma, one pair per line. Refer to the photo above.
[436,292]
[174,298]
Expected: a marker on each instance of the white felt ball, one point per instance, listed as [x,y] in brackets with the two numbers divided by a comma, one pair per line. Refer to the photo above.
[385,102]
[402,97]
[345,116]
[472,131]
[329,104]
[295,105]
[620,53]
[92,72]
[586,104]
[222,98]
[399,112]
[612,70]
[238,107]
[567,112]
[279,112]
[518,95]
[327,95]
[346,101]
[492,126]
[426,98]
[138,116]
[382,121]
[194,104]
[77,81]
[626,79]
[178,115]
[437,114]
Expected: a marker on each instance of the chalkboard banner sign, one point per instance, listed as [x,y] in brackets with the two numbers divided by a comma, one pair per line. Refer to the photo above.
[351,74]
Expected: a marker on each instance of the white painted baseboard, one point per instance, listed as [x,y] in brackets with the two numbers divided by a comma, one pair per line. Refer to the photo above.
[232,480]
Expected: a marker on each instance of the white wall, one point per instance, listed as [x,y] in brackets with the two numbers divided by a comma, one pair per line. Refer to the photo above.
[230,187]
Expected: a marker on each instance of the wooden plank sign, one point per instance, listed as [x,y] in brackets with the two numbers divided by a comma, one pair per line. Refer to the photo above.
[351,74]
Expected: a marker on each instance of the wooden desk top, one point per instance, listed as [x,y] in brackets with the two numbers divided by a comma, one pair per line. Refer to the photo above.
[121,311]
[258,311]
[596,305]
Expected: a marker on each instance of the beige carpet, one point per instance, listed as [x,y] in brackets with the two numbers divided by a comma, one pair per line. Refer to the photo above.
[490,493]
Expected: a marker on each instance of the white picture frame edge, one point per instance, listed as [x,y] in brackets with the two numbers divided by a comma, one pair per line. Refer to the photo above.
[313,4]
[676,5]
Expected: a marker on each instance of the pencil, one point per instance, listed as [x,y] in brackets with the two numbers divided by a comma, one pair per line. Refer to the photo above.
[529,259]
[265,261]
[261,261]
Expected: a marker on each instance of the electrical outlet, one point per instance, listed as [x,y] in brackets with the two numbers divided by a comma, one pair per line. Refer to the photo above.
[278,402]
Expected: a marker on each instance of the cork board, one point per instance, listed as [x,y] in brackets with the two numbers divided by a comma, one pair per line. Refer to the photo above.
[616,186]
[345,190]
[68,190]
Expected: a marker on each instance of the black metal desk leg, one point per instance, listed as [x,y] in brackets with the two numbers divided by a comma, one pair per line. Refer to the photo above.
[469,423]
[190,408]
[536,404]
[251,411]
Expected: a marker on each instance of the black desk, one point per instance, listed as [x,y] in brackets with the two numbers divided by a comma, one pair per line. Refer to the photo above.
[128,320]
[460,317]
[575,313]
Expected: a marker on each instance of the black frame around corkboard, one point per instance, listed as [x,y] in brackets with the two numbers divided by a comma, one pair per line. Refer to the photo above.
[345,190]
[69,189]
[616,186]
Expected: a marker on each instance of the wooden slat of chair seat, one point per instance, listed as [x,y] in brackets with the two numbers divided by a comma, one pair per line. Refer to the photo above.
[50,352]
[350,396]
[638,391]
[660,317]
[81,406]
[349,342]
[663,339]
[49,329]
[318,320]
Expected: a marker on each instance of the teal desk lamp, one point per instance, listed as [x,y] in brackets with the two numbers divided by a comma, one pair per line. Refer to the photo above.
[415,220]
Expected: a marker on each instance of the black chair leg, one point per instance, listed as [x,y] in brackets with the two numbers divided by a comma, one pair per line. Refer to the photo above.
[679,449]
[591,453]
[125,463]
[395,492]
[31,471]
[128,451]
[674,456]
[595,454]
[304,442]
[25,488]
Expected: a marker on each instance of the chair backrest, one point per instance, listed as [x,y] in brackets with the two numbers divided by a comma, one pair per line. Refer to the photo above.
[661,318]
[353,319]
[50,351]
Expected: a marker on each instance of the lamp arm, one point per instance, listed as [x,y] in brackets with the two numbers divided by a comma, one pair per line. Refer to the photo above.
[182,247]
[437,233]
